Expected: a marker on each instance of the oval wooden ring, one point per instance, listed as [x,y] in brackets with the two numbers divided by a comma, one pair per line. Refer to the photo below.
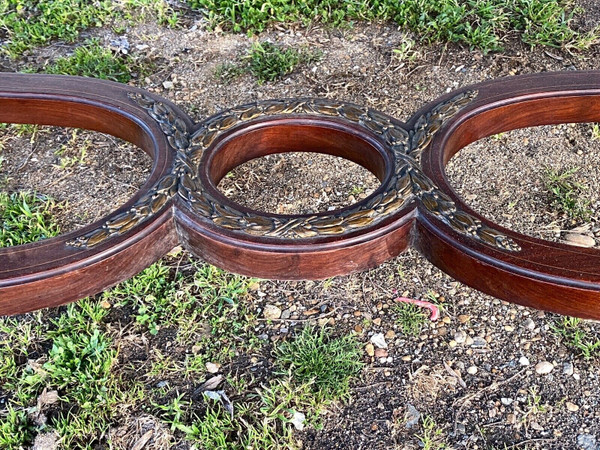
[321,245]
[551,276]
[53,272]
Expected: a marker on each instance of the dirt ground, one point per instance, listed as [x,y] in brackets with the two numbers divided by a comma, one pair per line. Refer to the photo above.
[493,397]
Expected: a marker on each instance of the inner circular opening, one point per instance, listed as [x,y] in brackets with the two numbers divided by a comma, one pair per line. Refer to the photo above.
[85,174]
[532,166]
[540,181]
[298,183]
[297,167]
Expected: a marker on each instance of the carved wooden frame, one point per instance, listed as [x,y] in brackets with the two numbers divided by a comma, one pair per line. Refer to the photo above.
[415,204]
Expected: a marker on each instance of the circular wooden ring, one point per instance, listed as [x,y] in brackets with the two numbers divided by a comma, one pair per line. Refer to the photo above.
[71,266]
[537,273]
[321,245]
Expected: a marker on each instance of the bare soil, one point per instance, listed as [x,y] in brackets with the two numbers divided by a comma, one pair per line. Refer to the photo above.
[481,338]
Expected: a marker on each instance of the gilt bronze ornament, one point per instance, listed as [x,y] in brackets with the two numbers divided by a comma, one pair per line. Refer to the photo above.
[414,205]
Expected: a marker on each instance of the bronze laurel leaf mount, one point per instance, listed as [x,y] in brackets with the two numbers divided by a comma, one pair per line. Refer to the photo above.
[180,203]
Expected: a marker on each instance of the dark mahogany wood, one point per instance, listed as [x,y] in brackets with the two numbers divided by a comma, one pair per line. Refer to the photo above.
[415,203]
[49,272]
[551,276]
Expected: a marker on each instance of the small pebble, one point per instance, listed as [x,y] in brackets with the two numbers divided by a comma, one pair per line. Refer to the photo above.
[212,367]
[469,341]
[381,353]
[168,84]
[370,349]
[568,369]
[509,328]
[586,442]
[572,407]
[460,337]
[524,361]
[472,370]
[506,401]
[478,342]
[543,367]
[379,340]
[536,426]
[529,324]
[272,312]
[464,318]
[390,334]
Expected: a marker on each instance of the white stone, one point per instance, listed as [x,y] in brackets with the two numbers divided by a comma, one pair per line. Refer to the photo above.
[272,312]
[544,367]
[378,340]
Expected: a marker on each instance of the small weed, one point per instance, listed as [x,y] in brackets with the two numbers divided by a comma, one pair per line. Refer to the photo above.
[93,60]
[216,429]
[573,334]
[431,439]
[410,318]
[566,193]
[229,71]
[150,293]
[269,62]
[26,218]
[330,363]
[534,405]
[357,190]
[406,52]
[73,143]
[596,132]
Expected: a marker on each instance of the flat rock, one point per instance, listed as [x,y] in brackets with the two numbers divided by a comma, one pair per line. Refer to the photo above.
[580,240]
[543,367]
[378,340]
[272,312]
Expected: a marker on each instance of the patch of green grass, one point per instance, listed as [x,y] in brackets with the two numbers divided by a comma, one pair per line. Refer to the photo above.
[410,318]
[93,60]
[71,356]
[32,23]
[14,429]
[484,24]
[267,62]
[26,218]
[566,193]
[150,293]
[573,334]
[329,363]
